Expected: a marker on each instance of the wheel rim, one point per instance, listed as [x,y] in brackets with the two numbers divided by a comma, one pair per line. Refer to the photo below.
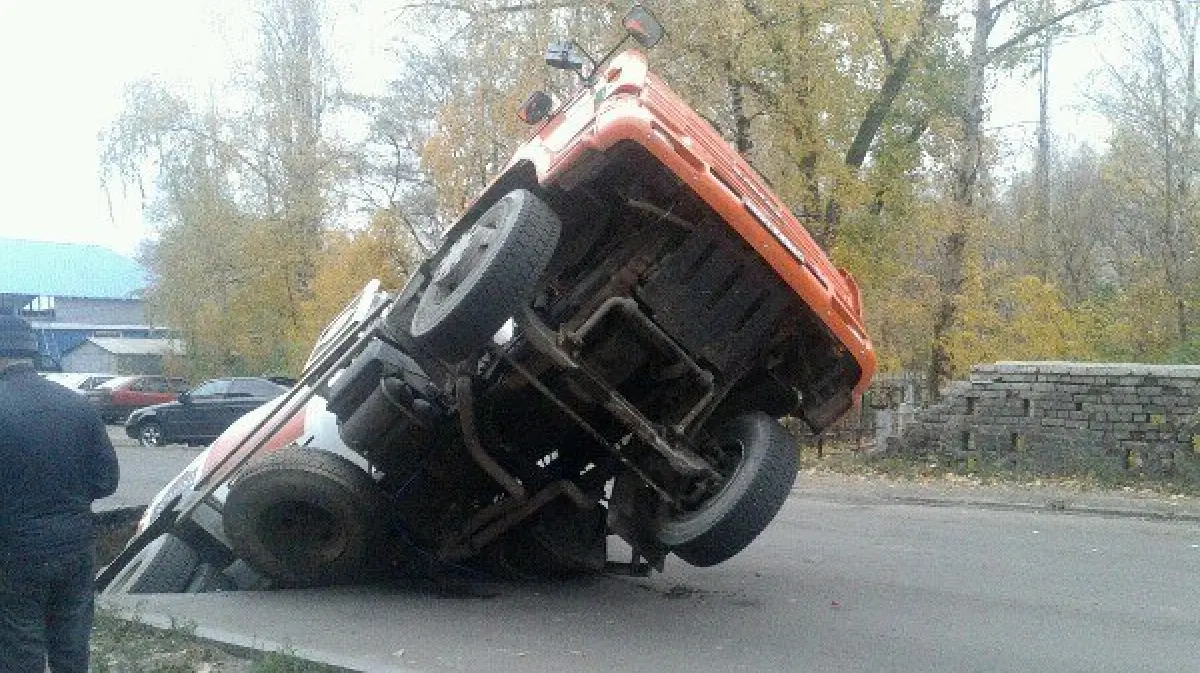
[151,435]
[730,461]
[465,253]
[465,258]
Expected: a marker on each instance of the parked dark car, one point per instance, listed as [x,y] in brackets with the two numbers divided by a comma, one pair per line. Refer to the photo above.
[199,415]
[114,399]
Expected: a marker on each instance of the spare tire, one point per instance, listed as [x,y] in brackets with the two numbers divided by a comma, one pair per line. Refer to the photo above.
[304,517]
[485,276]
[166,565]
[754,491]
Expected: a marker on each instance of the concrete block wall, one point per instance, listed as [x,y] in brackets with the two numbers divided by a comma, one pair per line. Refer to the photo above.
[1065,418]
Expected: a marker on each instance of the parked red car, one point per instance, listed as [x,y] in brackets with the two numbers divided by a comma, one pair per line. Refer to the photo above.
[115,399]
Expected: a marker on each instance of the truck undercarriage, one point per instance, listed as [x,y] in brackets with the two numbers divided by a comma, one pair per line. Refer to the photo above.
[652,325]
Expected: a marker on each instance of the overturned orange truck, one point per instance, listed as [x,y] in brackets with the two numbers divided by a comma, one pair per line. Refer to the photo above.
[602,345]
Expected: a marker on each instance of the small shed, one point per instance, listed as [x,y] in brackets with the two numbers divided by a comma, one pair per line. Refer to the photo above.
[121,356]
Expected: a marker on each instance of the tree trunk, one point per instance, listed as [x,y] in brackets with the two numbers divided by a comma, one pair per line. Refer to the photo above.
[893,84]
[966,185]
[898,75]
[1187,18]
[1042,213]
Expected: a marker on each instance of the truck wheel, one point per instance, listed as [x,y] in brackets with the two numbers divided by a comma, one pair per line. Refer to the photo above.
[763,469]
[304,517]
[166,565]
[485,276]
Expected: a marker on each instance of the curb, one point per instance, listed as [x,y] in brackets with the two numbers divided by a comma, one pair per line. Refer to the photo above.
[1049,505]
[249,647]
[1053,507]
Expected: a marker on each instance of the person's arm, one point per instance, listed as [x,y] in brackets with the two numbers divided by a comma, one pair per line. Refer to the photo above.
[103,472]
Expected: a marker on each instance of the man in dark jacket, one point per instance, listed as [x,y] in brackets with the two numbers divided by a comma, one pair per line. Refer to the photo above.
[55,459]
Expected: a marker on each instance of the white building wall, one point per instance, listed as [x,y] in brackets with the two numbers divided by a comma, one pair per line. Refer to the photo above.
[90,358]
[99,311]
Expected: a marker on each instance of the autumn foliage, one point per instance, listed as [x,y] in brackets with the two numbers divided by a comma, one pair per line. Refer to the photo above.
[868,118]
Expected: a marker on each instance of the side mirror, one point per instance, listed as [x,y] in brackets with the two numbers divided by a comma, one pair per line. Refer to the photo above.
[536,108]
[643,26]
[562,56]
[185,398]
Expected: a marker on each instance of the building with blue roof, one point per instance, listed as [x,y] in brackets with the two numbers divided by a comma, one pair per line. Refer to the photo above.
[71,292]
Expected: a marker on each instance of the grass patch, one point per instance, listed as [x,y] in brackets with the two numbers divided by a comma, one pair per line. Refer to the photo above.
[120,645]
[283,662]
[126,645]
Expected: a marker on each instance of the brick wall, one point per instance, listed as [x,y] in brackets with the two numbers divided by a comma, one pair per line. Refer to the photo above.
[1065,418]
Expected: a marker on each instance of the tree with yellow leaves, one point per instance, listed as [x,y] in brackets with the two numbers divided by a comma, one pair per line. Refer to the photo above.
[241,197]
[385,250]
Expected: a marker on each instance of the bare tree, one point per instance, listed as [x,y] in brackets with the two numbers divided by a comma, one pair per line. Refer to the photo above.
[989,50]
[1152,105]
[242,190]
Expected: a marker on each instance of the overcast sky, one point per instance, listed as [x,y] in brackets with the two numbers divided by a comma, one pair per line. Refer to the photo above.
[64,65]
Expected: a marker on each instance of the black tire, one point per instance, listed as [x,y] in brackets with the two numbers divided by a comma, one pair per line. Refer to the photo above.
[730,520]
[149,433]
[166,565]
[304,517]
[485,276]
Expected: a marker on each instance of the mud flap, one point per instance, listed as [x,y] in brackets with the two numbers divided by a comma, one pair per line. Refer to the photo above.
[574,539]
[632,507]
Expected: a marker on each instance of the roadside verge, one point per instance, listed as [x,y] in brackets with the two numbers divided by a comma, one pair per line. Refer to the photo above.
[960,491]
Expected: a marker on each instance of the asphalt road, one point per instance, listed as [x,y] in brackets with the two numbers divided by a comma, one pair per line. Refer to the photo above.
[144,471]
[832,586]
